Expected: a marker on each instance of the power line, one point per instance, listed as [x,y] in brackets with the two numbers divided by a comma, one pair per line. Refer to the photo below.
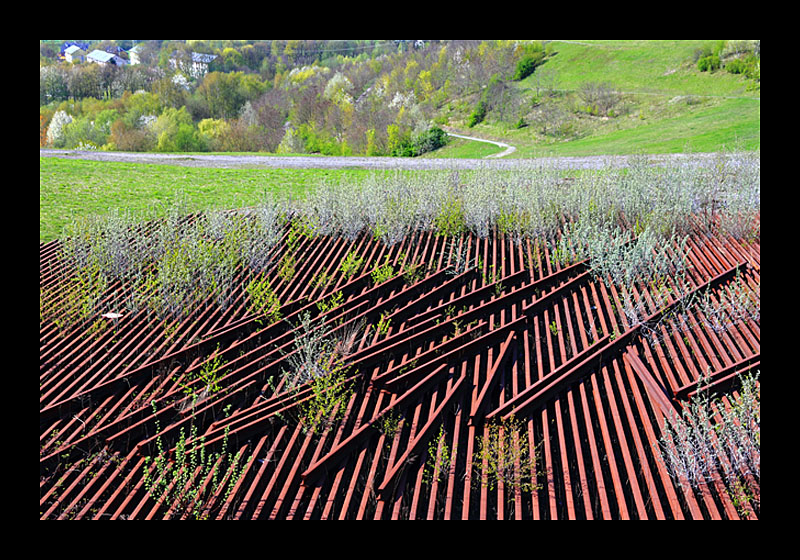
[354,48]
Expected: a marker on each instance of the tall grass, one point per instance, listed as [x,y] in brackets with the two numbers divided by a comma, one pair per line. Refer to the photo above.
[618,217]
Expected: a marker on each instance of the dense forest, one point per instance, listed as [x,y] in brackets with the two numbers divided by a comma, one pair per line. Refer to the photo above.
[329,97]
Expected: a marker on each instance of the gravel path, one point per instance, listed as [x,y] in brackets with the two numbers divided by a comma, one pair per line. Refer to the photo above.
[333,162]
[509,149]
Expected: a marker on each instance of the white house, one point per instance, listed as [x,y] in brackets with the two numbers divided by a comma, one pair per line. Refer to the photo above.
[102,57]
[74,54]
[133,55]
[198,66]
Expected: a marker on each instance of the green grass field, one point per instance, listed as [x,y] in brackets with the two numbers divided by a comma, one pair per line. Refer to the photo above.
[70,188]
[711,127]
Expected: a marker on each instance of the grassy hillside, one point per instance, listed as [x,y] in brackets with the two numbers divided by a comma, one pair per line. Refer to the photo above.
[665,104]
[69,188]
[663,67]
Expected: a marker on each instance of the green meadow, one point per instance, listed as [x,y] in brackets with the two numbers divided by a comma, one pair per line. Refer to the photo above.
[70,188]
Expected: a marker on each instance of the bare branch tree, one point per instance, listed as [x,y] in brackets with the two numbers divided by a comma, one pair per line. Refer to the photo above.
[599,97]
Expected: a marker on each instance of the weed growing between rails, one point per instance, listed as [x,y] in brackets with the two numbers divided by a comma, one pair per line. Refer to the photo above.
[318,363]
[439,459]
[382,273]
[183,482]
[74,301]
[263,301]
[330,394]
[649,269]
[506,457]
[714,439]
[170,265]
[209,376]
[351,265]
[735,303]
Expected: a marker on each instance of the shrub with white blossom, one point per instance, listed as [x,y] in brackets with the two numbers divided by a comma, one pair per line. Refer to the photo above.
[55,132]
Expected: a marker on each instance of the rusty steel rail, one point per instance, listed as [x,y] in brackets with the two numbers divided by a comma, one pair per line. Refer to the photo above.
[459,355]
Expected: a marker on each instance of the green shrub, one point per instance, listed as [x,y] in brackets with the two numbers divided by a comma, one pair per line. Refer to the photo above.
[403,149]
[188,139]
[748,66]
[317,142]
[450,220]
[735,66]
[430,140]
[128,138]
[82,133]
[396,139]
[708,63]
[351,264]
[527,65]
[478,114]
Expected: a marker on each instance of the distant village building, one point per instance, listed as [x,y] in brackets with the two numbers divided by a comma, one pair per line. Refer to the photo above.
[133,55]
[64,46]
[103,58]
[74,54]
[196,66]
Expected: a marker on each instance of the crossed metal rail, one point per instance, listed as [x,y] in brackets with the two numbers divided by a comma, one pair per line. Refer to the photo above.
[464,349]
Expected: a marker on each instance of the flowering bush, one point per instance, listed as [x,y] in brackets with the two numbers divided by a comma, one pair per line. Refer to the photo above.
[55,132]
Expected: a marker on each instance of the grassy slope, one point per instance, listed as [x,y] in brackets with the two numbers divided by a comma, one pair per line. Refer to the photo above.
[460,148]
[645,66]
[81,187]
[655,73]
[720,125]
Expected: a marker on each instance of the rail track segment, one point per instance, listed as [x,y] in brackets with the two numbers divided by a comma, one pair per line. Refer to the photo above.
[461,351]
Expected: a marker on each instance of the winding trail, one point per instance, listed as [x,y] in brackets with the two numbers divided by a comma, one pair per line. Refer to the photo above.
[509,149]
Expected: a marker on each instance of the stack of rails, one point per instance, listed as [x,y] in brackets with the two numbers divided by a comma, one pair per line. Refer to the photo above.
[522,338]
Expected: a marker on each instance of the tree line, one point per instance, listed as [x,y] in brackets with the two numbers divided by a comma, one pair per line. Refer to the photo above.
[330,97]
